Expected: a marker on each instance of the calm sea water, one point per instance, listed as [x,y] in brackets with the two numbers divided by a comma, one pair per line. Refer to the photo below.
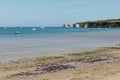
[54,39]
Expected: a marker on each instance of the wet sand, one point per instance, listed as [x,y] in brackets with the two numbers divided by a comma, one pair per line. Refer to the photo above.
[99,64]
[14,57]
[11,57]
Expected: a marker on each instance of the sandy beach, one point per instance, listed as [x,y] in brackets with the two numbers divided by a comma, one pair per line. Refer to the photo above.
[98,64]
[59,40]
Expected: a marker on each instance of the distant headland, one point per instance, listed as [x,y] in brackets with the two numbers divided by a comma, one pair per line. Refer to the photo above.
[109,23]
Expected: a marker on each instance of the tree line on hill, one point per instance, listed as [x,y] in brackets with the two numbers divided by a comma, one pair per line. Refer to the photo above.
[109,23]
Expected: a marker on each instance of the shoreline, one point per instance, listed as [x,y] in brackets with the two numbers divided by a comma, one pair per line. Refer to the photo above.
[40,67]
[5,58]
[11,57]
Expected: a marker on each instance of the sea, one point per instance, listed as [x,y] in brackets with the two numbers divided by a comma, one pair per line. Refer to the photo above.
[57,40]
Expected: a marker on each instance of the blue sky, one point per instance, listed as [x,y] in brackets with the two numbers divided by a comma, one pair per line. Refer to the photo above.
[55,12]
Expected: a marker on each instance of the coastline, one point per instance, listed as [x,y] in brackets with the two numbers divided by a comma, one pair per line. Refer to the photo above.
[76,66]
[6,58]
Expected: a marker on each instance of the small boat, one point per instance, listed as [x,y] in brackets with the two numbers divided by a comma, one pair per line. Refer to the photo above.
[17,32]
[33,29]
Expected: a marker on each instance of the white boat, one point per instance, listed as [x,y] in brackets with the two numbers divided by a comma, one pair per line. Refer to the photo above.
[17,32]
[33,29]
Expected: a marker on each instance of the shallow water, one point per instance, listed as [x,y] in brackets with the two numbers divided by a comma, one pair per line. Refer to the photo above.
[55,39]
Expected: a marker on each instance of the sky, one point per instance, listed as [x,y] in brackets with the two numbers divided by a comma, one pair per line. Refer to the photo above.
[56,12]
